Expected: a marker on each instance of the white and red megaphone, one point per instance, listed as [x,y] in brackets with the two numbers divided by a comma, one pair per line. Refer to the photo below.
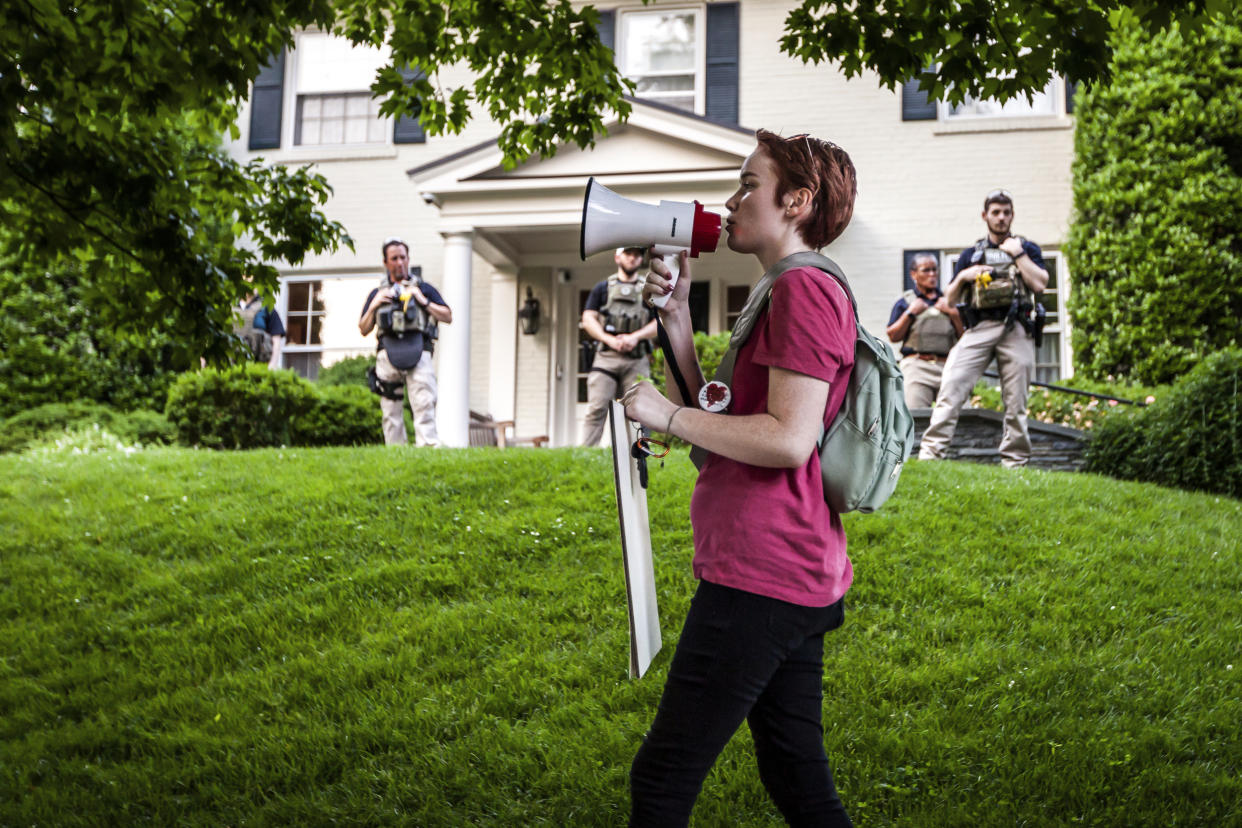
[610,221]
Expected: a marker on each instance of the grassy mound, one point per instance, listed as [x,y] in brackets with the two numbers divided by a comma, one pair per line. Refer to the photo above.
[405,637]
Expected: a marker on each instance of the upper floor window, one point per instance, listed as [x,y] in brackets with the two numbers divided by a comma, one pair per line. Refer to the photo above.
[334,104]
[1046,107]
[1040,103]
[663,53]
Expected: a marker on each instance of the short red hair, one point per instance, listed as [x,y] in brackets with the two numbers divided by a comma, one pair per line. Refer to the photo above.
[821,167]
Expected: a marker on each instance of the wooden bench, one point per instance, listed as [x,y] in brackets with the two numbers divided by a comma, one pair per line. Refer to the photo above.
[485,431]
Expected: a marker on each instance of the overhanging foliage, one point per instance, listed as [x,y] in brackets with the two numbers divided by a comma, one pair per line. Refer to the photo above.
[110,116]
[110,112]
[978,48]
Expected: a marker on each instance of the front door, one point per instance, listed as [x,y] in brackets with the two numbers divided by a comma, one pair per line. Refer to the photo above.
[583,346]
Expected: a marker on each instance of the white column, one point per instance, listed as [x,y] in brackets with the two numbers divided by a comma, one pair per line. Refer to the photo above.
[453,349]
[502,386]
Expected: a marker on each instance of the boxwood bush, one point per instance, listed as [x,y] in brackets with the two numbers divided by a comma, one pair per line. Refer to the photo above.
[1191,437]
[342,415]
[350,371]
[249,406]
[711,349]
[243,406]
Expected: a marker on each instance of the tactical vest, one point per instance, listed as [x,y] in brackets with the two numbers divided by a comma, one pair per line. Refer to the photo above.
[997,290]
[257,340]
[623,311]
[406,329]
[931,332]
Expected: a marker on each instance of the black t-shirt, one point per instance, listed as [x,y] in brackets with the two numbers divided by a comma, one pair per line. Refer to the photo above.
[267,319]
[599,297]
[596,301]
[431,293]
[410,343]
[968,255]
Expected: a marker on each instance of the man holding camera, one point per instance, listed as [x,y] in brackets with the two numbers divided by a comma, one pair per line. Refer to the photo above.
[407,312]
[622,327]
[996,287]
[926,333]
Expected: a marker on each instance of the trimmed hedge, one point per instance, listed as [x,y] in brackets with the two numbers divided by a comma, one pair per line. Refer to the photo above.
[711,349]
[350,371]
[1190,438]
[1156,241]
[249,406]
[240,407]
[36,424]
[342,415]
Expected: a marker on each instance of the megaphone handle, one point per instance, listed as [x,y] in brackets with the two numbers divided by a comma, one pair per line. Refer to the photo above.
[672,260]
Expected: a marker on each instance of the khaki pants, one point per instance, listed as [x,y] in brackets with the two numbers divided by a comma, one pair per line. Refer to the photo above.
[1015,356]
[603,389]
[420,388]
[922,380]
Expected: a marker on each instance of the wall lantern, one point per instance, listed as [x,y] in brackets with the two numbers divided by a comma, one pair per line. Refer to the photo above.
[529,314]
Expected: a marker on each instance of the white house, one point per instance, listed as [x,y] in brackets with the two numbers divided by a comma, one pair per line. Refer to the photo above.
[708,75]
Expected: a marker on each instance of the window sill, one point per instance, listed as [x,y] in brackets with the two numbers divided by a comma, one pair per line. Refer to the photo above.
[1024,123]
[322,154]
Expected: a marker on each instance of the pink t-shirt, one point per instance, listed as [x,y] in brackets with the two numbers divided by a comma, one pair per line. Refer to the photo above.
[769,531]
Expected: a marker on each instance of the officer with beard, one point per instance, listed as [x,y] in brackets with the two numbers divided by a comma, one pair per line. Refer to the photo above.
[622,327]
[996,284]
[407,312]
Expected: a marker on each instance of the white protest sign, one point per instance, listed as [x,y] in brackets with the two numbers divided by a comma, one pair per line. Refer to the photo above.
[640,589]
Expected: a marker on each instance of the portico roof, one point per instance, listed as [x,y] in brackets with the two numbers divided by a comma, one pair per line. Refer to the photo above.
[691,145]
[658,153]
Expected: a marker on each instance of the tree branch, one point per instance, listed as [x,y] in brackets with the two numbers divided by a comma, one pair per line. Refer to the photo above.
[54,199]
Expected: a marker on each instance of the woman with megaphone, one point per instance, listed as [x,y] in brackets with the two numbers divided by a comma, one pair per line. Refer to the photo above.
[769,553]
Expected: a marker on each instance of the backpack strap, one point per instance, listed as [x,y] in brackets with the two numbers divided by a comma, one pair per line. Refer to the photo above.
[754,307]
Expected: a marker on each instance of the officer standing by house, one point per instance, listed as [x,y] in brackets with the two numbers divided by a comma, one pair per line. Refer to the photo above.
[407,312]
[261,329]
[622,327]
[926,333]
[997,283]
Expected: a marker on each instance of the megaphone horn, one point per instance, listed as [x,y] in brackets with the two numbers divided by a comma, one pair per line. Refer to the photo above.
[610,221]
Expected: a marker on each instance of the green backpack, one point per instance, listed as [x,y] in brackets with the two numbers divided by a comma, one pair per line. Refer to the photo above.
[862,452]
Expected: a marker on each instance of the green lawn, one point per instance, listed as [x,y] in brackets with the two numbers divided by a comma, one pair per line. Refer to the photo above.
[372,636]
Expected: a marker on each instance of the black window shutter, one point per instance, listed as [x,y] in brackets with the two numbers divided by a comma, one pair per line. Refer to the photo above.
[608,29]
[267,103]
[915,105]
[407,129]
[1071,89]
[722,54]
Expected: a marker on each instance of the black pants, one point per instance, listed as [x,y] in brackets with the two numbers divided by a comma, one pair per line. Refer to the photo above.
[742,656]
